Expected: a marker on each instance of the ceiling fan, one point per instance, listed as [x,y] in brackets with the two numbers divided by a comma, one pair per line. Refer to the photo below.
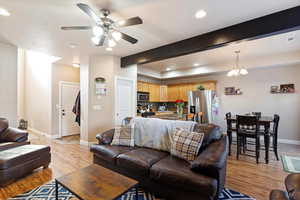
[105,29]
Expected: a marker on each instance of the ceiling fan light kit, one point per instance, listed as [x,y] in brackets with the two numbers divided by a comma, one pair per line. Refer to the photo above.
[237,69]
[105,29]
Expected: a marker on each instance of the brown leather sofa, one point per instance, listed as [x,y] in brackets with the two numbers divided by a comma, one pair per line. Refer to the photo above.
[11,137]
[168,176]
[292,184]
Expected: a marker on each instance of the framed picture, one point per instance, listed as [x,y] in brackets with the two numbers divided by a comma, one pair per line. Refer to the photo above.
[230,91]
[287,88]
[274,89]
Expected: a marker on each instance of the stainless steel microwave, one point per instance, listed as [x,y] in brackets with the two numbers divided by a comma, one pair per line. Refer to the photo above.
[143,96]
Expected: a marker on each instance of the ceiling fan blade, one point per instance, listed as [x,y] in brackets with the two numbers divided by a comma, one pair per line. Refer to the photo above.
[128,38]
[88,10]
[129,22]
[70,28]
[101,41]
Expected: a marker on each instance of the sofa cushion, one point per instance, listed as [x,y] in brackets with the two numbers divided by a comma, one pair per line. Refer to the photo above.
[140,160]
[211,133]
[18,155]
[176,172]
[109,153]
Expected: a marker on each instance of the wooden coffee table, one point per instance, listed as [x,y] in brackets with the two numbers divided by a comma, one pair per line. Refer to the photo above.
[96,183]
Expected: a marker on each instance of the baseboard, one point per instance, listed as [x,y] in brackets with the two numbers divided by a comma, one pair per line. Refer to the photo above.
[86,143]
[286,141]
[43,133]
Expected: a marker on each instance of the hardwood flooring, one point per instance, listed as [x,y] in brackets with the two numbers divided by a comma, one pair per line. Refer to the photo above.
[243,175]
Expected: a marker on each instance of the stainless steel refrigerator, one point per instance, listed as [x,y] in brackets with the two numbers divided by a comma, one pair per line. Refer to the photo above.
[204,102]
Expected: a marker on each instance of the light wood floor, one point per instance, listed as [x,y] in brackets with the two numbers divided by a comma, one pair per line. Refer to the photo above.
[243,175]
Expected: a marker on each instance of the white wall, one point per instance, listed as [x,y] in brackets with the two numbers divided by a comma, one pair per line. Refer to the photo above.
[60,73]
[257,97]
[8,83]
[107,67]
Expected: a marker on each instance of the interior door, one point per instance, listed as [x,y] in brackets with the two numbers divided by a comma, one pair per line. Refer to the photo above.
[125,97]
[68,94]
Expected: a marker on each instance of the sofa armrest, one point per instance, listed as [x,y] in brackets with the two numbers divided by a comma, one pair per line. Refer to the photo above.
[106,137]
[14,135]
[213,158]
[212,161]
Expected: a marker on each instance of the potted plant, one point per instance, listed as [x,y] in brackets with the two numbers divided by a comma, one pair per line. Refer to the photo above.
[179,105]
[200,87]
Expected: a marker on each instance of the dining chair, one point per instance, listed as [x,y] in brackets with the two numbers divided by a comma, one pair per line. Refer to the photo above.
[231,127]
[274,135]
[256,114]
[248,127]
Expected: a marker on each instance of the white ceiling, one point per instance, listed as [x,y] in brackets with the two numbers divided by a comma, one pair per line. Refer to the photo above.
[35,24]
[270,51]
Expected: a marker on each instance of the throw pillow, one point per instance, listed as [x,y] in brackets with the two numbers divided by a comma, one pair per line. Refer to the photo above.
[124,135]
[186,144]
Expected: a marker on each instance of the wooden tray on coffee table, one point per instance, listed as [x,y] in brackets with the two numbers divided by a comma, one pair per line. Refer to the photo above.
[96,183]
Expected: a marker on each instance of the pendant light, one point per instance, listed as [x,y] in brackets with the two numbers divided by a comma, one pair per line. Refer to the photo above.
[237,70]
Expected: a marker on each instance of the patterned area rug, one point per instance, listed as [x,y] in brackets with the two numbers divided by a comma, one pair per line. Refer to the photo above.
[47,192]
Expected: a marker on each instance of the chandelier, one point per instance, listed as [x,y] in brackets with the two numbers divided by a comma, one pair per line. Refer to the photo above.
[237,70]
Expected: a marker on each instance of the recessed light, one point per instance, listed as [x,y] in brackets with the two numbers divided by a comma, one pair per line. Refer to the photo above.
[196,64]
[168,69]
[4,12]
[76,65]
[109,49]
[200,14]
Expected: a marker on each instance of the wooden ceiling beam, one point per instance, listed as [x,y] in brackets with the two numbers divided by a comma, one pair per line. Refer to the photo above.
[276,23]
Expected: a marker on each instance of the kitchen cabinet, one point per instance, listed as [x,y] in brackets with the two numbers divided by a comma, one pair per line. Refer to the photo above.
[170,93]
[154,91]
[163,93]
[145,87]
[139,86]
[173,93]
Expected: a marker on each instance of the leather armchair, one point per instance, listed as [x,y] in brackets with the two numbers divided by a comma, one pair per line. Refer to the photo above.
[11,137]
[292,184]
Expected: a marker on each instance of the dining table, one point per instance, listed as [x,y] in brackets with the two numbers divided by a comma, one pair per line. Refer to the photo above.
[264,121]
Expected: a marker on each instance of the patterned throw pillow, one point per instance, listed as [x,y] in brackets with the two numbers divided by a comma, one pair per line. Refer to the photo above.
[186,144]
[124,135]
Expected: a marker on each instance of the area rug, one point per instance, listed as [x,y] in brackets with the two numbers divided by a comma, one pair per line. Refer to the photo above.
[47,192]
[291,164]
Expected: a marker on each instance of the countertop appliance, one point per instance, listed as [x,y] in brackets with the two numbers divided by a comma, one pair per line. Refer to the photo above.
[204,103]
[143,96]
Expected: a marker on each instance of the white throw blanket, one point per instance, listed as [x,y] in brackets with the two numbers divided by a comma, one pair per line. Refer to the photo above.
[157,133]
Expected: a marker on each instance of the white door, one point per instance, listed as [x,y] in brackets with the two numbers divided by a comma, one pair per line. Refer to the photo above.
[68,94]
[125,98]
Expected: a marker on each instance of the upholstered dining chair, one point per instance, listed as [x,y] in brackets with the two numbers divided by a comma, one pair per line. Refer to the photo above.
[248,127]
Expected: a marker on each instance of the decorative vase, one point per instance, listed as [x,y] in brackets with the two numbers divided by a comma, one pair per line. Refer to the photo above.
[180,111]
